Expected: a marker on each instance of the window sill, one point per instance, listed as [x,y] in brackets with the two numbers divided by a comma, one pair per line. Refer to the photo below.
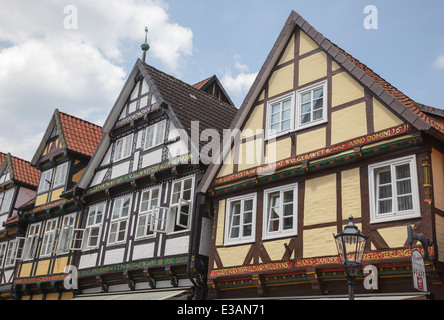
[394,217]
[235,243]
[288,234]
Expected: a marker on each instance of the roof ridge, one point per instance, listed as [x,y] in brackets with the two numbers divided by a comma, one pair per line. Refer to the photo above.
[80,119]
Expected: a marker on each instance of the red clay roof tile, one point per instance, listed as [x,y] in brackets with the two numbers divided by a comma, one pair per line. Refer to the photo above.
[81,136]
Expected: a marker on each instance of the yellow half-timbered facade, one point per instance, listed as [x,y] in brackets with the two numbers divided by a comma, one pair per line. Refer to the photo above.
[321,137]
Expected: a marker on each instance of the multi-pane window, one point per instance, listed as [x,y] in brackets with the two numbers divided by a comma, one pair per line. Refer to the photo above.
[6,200]
[123,147]
[119,220]
[3,247]
[298,110]
[4,176]
[155,135]
[48,238]
[31,242]
[312,106]
[60,175]
[66,234]
[11,253]
[240,222]
[149,199]
[280,211]
[93,226]
[280,115]
[45,180]
[181,204]
[394,190]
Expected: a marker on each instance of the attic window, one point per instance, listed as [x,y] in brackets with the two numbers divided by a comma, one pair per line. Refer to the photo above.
[54,133]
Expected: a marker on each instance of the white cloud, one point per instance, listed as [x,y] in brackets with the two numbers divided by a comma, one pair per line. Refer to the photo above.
[239,82]
[439,62]
[44,66]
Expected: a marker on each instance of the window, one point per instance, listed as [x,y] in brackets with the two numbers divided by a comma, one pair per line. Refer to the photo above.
[48,238]
[280,211]
[119,220]
[280,115]
[3,247]
[307,107]
[155,135]
[60,175]
[94,226]
[30,245]
[394,190]
[181,205]
[11,253]
[312,106]
[4,176]
[240,222]
[149,199]
[5,200]
[45,181]
[123,148]
[66,234]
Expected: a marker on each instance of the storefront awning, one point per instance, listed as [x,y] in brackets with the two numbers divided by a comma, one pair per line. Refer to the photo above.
[159,294]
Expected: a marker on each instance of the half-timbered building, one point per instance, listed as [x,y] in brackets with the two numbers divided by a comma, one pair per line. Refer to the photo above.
[53,214]
[18,184]
[145,233]
[323,137]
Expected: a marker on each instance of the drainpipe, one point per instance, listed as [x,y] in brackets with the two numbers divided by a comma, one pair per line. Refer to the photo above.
[193,240]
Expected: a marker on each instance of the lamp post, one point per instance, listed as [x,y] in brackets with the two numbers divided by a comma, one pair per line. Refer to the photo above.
[351,245]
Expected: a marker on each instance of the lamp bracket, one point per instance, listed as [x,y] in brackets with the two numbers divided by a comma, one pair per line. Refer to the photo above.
[426,243]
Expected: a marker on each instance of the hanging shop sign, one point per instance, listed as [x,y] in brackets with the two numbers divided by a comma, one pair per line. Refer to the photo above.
[418,271]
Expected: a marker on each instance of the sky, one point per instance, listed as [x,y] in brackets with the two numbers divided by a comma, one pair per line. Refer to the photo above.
[75,55]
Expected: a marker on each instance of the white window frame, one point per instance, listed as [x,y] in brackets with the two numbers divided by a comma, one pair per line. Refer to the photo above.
[157,138]
[6,200]
[299,93]
[241,239]
[49,236]
[123,148]
[175,209]
[3,251]
[396,214]
[146,212]
[119,219]
[60,175]
[44,185]
[266,234]
[273,134]
[11,253]
[65,234]
[31,242]
[93,223]
[5,175]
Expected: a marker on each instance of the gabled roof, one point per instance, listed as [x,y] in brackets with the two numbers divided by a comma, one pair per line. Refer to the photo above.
[191,104]
[19,170]
[80,136]
[394,99]
[75,134]
[183,103]
[213,86]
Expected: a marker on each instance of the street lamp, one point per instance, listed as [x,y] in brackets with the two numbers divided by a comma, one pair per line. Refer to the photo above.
[351,244]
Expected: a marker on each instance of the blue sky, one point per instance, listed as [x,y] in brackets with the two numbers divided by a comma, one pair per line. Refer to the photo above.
[77,61]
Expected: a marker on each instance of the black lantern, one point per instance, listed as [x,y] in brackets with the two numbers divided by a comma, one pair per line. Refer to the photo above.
[351,245]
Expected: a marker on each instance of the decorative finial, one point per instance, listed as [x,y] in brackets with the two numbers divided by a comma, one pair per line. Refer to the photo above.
[145,46]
